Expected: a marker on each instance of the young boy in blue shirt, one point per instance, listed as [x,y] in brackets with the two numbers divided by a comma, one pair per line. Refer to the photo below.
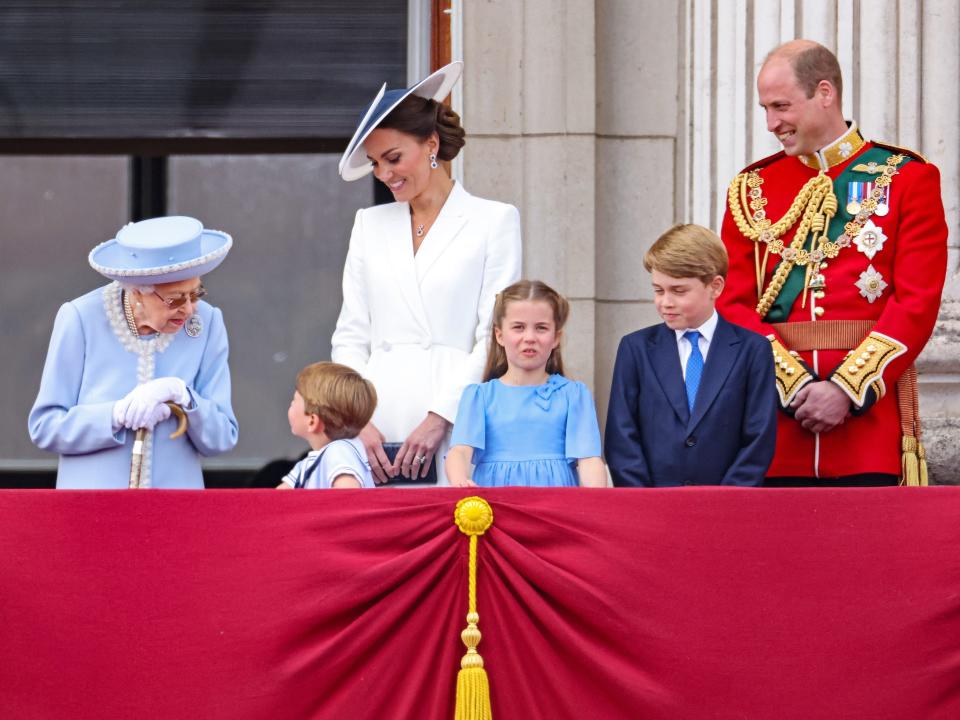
[330,406]
[693,400]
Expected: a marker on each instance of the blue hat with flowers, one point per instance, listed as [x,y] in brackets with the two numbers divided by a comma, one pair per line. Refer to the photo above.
[354,163]
[160,250]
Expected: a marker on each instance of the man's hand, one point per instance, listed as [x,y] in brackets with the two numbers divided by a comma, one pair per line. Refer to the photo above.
[820,406]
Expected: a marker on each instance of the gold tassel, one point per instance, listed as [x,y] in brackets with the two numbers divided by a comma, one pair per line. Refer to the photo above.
[909,463]
[473,516]
[922,457]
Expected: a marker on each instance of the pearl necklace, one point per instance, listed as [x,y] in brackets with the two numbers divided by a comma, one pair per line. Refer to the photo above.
[128,314]
[117,307]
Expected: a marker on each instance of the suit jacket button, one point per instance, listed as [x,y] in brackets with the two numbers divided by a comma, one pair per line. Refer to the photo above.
[425,344]
[385,345]
[691,441]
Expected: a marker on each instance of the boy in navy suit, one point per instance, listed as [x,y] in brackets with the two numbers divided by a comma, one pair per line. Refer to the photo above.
[693,400]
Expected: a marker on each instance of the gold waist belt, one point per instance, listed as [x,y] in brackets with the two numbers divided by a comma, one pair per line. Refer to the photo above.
[823,334]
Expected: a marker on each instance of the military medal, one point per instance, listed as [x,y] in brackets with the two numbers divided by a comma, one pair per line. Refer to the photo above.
[817,281]
[194,326]
[855,194]
[883,204]
[871,284]
[870,239]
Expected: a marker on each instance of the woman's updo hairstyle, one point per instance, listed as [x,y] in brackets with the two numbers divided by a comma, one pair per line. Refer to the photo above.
[421,117]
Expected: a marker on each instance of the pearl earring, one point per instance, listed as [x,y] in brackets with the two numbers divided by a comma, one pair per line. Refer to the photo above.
[433,161]
[139,305]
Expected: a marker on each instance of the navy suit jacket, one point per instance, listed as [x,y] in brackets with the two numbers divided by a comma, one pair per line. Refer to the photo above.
[653,440]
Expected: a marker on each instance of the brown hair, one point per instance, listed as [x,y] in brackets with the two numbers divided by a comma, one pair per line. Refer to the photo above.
[811,62]
[339,395]
[524,290]
[687,251]
[422,117]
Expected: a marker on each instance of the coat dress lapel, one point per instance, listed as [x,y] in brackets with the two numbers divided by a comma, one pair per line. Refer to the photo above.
[449,222]
[396,242]
[665,359]
[724,348]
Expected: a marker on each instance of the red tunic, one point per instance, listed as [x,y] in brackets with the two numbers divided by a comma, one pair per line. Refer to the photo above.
[912,262]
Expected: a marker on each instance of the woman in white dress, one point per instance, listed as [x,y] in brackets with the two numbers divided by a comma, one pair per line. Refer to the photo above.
[421,276]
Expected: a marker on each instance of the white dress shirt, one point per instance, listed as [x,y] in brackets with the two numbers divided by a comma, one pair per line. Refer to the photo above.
[706,335]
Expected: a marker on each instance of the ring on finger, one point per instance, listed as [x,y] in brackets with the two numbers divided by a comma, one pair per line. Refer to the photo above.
[418,459]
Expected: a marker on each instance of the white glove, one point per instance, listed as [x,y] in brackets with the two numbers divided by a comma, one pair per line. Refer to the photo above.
[143,407]
[159,413]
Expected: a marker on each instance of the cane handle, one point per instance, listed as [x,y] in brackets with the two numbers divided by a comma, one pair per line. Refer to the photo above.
[181,420]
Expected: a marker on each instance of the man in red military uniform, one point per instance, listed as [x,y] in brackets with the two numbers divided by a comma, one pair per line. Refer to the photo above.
[838,253]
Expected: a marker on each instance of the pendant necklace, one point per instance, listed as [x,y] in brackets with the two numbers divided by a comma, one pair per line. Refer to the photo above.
[421,227]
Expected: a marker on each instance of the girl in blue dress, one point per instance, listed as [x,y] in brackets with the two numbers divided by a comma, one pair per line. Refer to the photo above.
[526,424]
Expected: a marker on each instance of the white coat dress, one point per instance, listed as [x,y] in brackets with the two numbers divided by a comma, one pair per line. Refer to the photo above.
[417,325]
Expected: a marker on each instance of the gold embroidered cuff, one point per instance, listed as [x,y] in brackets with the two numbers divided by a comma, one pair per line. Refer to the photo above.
[864,367]
[791,374]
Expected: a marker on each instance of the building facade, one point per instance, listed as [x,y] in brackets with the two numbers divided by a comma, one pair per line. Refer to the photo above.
[606,121]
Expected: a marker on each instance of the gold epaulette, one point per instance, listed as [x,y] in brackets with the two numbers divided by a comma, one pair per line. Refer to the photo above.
[864,367]
[791,374]
[764,162]
[901,151]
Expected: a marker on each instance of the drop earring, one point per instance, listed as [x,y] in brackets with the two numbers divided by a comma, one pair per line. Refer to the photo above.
[433,161]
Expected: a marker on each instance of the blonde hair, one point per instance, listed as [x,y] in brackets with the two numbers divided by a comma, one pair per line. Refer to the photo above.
[519,291]
[339,396]
[688,251]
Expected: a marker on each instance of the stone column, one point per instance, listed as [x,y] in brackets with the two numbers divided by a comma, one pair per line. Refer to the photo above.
[938,110]
[529,114]
[639,51]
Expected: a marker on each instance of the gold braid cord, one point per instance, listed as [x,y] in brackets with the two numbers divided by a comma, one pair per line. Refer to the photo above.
[864,367]
[474,516]
[815,206]
[913,460]
[791,375]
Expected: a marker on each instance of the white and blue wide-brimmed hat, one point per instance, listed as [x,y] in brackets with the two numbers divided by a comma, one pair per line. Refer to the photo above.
[160,250]
[354,164]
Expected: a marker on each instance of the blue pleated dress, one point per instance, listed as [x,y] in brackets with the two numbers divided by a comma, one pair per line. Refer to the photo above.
[527,435]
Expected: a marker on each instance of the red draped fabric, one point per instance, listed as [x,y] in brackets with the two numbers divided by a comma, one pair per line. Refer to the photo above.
[654,604]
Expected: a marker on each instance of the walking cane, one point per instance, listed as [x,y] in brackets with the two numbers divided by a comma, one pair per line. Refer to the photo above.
[136,459]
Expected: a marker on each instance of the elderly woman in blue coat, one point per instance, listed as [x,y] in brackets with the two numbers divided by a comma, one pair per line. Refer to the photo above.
[119,353]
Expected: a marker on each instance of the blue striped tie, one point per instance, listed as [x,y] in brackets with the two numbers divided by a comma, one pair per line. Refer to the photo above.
[694,367]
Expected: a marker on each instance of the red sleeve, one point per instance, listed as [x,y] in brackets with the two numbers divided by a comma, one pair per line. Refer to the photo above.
[919,268]
[907,319]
